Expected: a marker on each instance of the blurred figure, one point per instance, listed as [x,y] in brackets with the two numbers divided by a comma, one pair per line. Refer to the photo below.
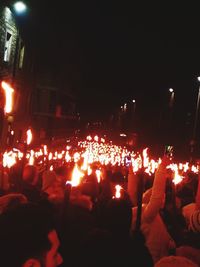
[4,182]
[52,186]
[112,242]
[174,261]
[11,200]
[28,238]
[157,238]
[29,184]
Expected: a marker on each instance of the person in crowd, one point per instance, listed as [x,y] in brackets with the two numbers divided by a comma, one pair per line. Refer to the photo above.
[190,247]
[110,242]
[193,205]
[4,182]
[29,183]
[11,200]
[158,239]
[52,186]
[15,177]
[28,238]
[171,213]
[174,261]
[186,190]
[105,190]
[64,172]
[90,186]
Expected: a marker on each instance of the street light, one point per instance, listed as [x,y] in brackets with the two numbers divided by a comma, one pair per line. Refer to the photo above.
[20,7]
[171,104]
[171,101]
[134,105]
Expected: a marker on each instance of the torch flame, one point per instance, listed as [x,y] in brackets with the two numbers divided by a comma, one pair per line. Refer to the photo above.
[76,176]
[98,175]
[29,136]
[8,95]
[177,177]
[117,191]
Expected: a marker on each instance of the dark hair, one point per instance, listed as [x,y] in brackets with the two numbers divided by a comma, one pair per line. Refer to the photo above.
[24,234]
[15,177]
[118,216]
[29,173]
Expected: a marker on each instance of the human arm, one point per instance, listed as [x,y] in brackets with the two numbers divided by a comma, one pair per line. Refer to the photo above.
[158,191]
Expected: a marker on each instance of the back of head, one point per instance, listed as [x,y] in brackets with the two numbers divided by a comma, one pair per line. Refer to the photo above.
[118,215]
[24,234]
[48,178]
[174,261]
[30,174]
[117,177]
[15,177]
[62,171]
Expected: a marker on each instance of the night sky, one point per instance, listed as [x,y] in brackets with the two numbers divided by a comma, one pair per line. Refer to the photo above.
[112,53]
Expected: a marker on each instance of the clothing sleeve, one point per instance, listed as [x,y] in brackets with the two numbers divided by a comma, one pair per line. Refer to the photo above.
[157,196]
[132,187]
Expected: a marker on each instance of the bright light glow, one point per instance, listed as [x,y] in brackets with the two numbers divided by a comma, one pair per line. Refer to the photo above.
[20,7]
[171,90]
[76,176]
[133,100]
[29,136]
[8,95]
[198,78]
[117,191]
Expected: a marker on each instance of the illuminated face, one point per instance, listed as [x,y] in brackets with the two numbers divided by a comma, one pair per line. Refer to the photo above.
[53,257]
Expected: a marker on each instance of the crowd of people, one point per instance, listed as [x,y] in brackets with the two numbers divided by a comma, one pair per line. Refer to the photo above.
[47,222]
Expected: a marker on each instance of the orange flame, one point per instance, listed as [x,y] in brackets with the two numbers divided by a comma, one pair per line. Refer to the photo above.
[117,191]
[76,176]
[31,159]
[9,159]
[177,177]
[8,95]
[145,157]
[98,175]
[29,136]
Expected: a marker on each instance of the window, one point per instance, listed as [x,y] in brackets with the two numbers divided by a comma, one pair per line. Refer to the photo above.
[21,56]
[8,43]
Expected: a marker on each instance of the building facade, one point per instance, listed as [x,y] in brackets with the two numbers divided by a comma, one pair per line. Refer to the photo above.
[38,102]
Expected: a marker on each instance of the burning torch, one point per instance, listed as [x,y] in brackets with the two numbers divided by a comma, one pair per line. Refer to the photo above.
[8,91]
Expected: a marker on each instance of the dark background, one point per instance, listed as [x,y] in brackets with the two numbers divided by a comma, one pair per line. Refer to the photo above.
[112,53]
